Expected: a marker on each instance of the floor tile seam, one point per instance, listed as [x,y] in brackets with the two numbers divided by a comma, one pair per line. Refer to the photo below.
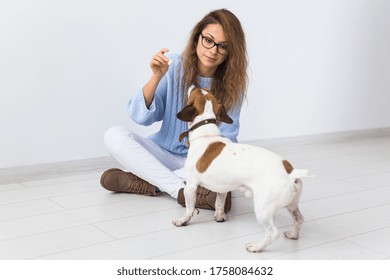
[206,245]
[165,210]
[41,198]
[374,173]
[322,244]
[371,231]
[351,166]
[73,249]
[71,226]
[57,228]
[348,212]
[56,195]
[365,186]
[236,215]
[59,205]
[90,205]
[280,229]
[66,184]
[172,227]
[247,234]
[135,215]
[363,189]
[24,187]
[249,212]
[23,201]
[256,232]
[327,157]
[320,144]
[333,153]
[47,232]
[350,177]
[105,232]
[47,256]
[32,216]
[364,246]
[129,237]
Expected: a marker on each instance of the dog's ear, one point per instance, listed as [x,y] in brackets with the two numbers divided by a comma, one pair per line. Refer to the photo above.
[190,89]
[187,114]
[222,115]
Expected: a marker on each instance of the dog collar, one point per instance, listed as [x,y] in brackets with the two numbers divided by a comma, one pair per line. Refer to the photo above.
[199,124]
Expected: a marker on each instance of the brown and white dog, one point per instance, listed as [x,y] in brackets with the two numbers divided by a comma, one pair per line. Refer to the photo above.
[220,165]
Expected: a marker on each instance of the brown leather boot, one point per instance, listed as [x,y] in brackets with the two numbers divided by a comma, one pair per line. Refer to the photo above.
[205,199]
[117,180]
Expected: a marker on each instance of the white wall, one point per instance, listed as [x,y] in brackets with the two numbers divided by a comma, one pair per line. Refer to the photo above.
[68,68]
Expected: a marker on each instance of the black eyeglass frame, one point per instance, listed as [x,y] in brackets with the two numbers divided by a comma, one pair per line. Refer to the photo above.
[215,44]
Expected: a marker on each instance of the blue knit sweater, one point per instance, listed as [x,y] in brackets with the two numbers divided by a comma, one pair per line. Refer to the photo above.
[166,104]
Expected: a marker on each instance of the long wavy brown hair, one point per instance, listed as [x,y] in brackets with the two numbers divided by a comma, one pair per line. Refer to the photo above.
[230,80]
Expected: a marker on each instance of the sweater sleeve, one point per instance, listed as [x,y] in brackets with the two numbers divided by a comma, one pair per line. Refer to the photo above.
[231,130]
[140,113]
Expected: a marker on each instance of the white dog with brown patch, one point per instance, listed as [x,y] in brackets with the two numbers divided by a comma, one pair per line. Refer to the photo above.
[221,166]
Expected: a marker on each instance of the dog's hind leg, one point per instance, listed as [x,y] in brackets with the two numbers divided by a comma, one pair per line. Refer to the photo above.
[298,220]
[295,213]
[190,200]
[220,207]
[271,232]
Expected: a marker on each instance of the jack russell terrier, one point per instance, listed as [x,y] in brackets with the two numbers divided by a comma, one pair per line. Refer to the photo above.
[222,166]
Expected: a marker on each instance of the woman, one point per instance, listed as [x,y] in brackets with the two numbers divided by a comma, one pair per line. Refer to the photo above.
[215,58]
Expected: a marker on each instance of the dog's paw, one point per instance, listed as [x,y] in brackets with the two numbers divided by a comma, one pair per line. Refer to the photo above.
[291,235]
[254,248]
[220,218]
[179,222]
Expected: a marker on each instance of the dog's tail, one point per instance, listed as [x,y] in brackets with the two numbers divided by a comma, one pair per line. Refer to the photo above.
[300,173]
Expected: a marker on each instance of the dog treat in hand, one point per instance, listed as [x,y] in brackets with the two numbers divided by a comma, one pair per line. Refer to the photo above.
[170,61]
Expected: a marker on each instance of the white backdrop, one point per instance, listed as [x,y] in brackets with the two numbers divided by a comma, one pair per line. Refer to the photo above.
[68,68]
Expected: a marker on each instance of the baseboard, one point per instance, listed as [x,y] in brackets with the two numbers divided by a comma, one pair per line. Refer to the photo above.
[92,165]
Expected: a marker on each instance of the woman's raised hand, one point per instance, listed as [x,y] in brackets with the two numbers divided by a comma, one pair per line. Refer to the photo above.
[160,63]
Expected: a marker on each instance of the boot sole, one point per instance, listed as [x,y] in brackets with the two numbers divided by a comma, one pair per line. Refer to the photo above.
[104,175]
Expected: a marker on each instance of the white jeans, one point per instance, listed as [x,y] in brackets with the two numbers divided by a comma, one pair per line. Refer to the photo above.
[146,159]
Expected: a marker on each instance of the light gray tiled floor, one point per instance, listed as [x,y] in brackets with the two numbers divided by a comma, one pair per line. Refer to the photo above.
[346,207]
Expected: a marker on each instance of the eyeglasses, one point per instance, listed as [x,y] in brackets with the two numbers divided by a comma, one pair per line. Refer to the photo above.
[209,43]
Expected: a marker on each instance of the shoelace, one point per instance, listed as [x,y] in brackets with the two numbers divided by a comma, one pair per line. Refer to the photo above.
[139,186]
[202,197]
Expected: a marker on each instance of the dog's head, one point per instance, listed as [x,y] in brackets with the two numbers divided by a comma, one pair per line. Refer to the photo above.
[201,103]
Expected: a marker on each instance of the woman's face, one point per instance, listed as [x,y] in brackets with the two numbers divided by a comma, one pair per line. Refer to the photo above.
[210,58]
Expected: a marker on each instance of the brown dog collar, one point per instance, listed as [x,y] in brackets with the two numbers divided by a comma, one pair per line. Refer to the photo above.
[197,125]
